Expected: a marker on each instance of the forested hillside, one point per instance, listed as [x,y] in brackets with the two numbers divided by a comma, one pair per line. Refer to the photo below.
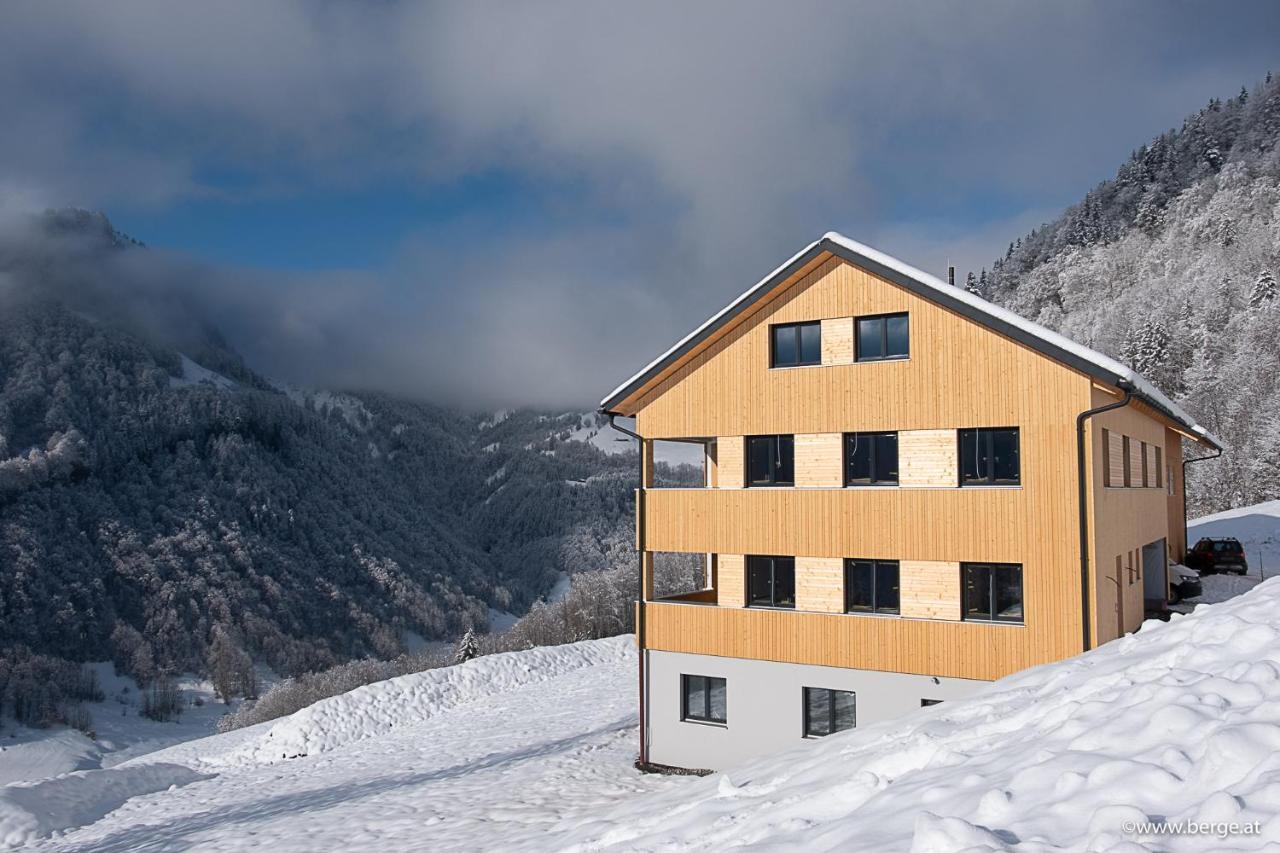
[1172,266]
[156,504]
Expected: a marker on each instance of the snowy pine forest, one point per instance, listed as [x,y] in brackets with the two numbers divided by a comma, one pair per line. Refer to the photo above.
[175,511]
[1171,267]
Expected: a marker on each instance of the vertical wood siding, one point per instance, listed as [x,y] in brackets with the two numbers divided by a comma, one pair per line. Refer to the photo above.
[837,341]
[820,584]
[930,589]
[927,457]
[819,459]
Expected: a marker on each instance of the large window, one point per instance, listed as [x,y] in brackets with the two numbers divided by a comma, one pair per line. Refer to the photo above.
[771,582]
[871,459]
[795,344]
[828,711]
[871,586]
[704,699]
[990,457]
[771,460]
[883,337]
[992,592]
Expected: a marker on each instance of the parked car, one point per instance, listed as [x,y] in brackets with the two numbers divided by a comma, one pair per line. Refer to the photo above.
[1217,555]
[1184,583]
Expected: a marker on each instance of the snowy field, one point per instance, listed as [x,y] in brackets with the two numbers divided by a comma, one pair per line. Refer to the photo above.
[532,751]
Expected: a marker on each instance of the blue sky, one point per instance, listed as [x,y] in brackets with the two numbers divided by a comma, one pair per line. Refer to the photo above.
[549,194]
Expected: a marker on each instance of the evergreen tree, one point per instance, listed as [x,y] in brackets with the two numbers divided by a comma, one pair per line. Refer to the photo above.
[1264,290]
[468,648]
[971,284]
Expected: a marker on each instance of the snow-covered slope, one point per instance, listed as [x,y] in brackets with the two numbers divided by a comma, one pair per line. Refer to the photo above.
[491,754]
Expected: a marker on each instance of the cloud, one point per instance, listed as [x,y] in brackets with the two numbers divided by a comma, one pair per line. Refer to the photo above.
[674,152]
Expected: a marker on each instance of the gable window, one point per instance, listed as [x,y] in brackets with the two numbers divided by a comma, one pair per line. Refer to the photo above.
[992,592]
[828,711]
[771,460]
[883,337]
[795,344]
[704,699]
[990,457]
[771,582]
[871,459]
[871,586]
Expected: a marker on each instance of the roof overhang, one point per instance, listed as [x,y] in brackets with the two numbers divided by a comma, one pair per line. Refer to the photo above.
[1049,343]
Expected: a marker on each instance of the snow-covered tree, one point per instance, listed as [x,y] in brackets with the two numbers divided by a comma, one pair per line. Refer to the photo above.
[971,284]
[467,649]
[1264,289]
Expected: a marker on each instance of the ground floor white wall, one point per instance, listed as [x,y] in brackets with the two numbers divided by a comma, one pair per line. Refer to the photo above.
[764,704]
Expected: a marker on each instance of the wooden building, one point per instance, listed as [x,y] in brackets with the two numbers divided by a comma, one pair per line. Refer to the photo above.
[909,491]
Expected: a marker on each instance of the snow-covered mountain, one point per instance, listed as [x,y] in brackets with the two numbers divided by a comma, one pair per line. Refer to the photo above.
[1172,267]
[533,751]
[163,504]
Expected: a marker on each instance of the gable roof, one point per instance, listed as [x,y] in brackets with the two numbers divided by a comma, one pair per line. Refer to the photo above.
[1045,341]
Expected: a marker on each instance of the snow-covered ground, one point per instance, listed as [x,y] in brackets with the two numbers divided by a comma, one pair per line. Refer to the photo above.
[532,751]
[121,732]
[195,374]
[491,754]
[1258,529]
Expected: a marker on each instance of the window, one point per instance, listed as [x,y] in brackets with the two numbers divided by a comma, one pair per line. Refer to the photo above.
[1146,475]
[1106,457]
[871,586]
[871,459]
[1128,467]
[992,592]
[771,460]
[929,703]
[883,337]
[828,711]
[795,345]
[771,582]
[704,699]
[990,457]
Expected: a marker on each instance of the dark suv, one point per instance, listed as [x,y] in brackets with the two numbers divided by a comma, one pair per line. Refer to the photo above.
[1217,555]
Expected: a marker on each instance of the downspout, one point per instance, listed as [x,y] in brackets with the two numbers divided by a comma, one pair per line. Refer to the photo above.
[1127,388]
[1186,534]
[640,492]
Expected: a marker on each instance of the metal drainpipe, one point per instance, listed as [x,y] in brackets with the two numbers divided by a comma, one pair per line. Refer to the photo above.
[640,492]
[1186,534]
[1084,503]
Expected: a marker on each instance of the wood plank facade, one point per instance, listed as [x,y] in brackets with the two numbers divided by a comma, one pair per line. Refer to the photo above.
[959,374]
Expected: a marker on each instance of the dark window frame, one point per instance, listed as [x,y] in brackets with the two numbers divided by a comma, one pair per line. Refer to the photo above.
[987,435]
[831,711]
[850,439]
[775,453]
[800,361]
[772,603]
[1106,457]
[883,319]
[992,613]
[850,563]
[706,715]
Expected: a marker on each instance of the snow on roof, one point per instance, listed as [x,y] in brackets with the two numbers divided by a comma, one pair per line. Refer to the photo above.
[1109,368]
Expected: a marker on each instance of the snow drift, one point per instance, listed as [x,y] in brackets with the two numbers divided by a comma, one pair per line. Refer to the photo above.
[1180,722]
